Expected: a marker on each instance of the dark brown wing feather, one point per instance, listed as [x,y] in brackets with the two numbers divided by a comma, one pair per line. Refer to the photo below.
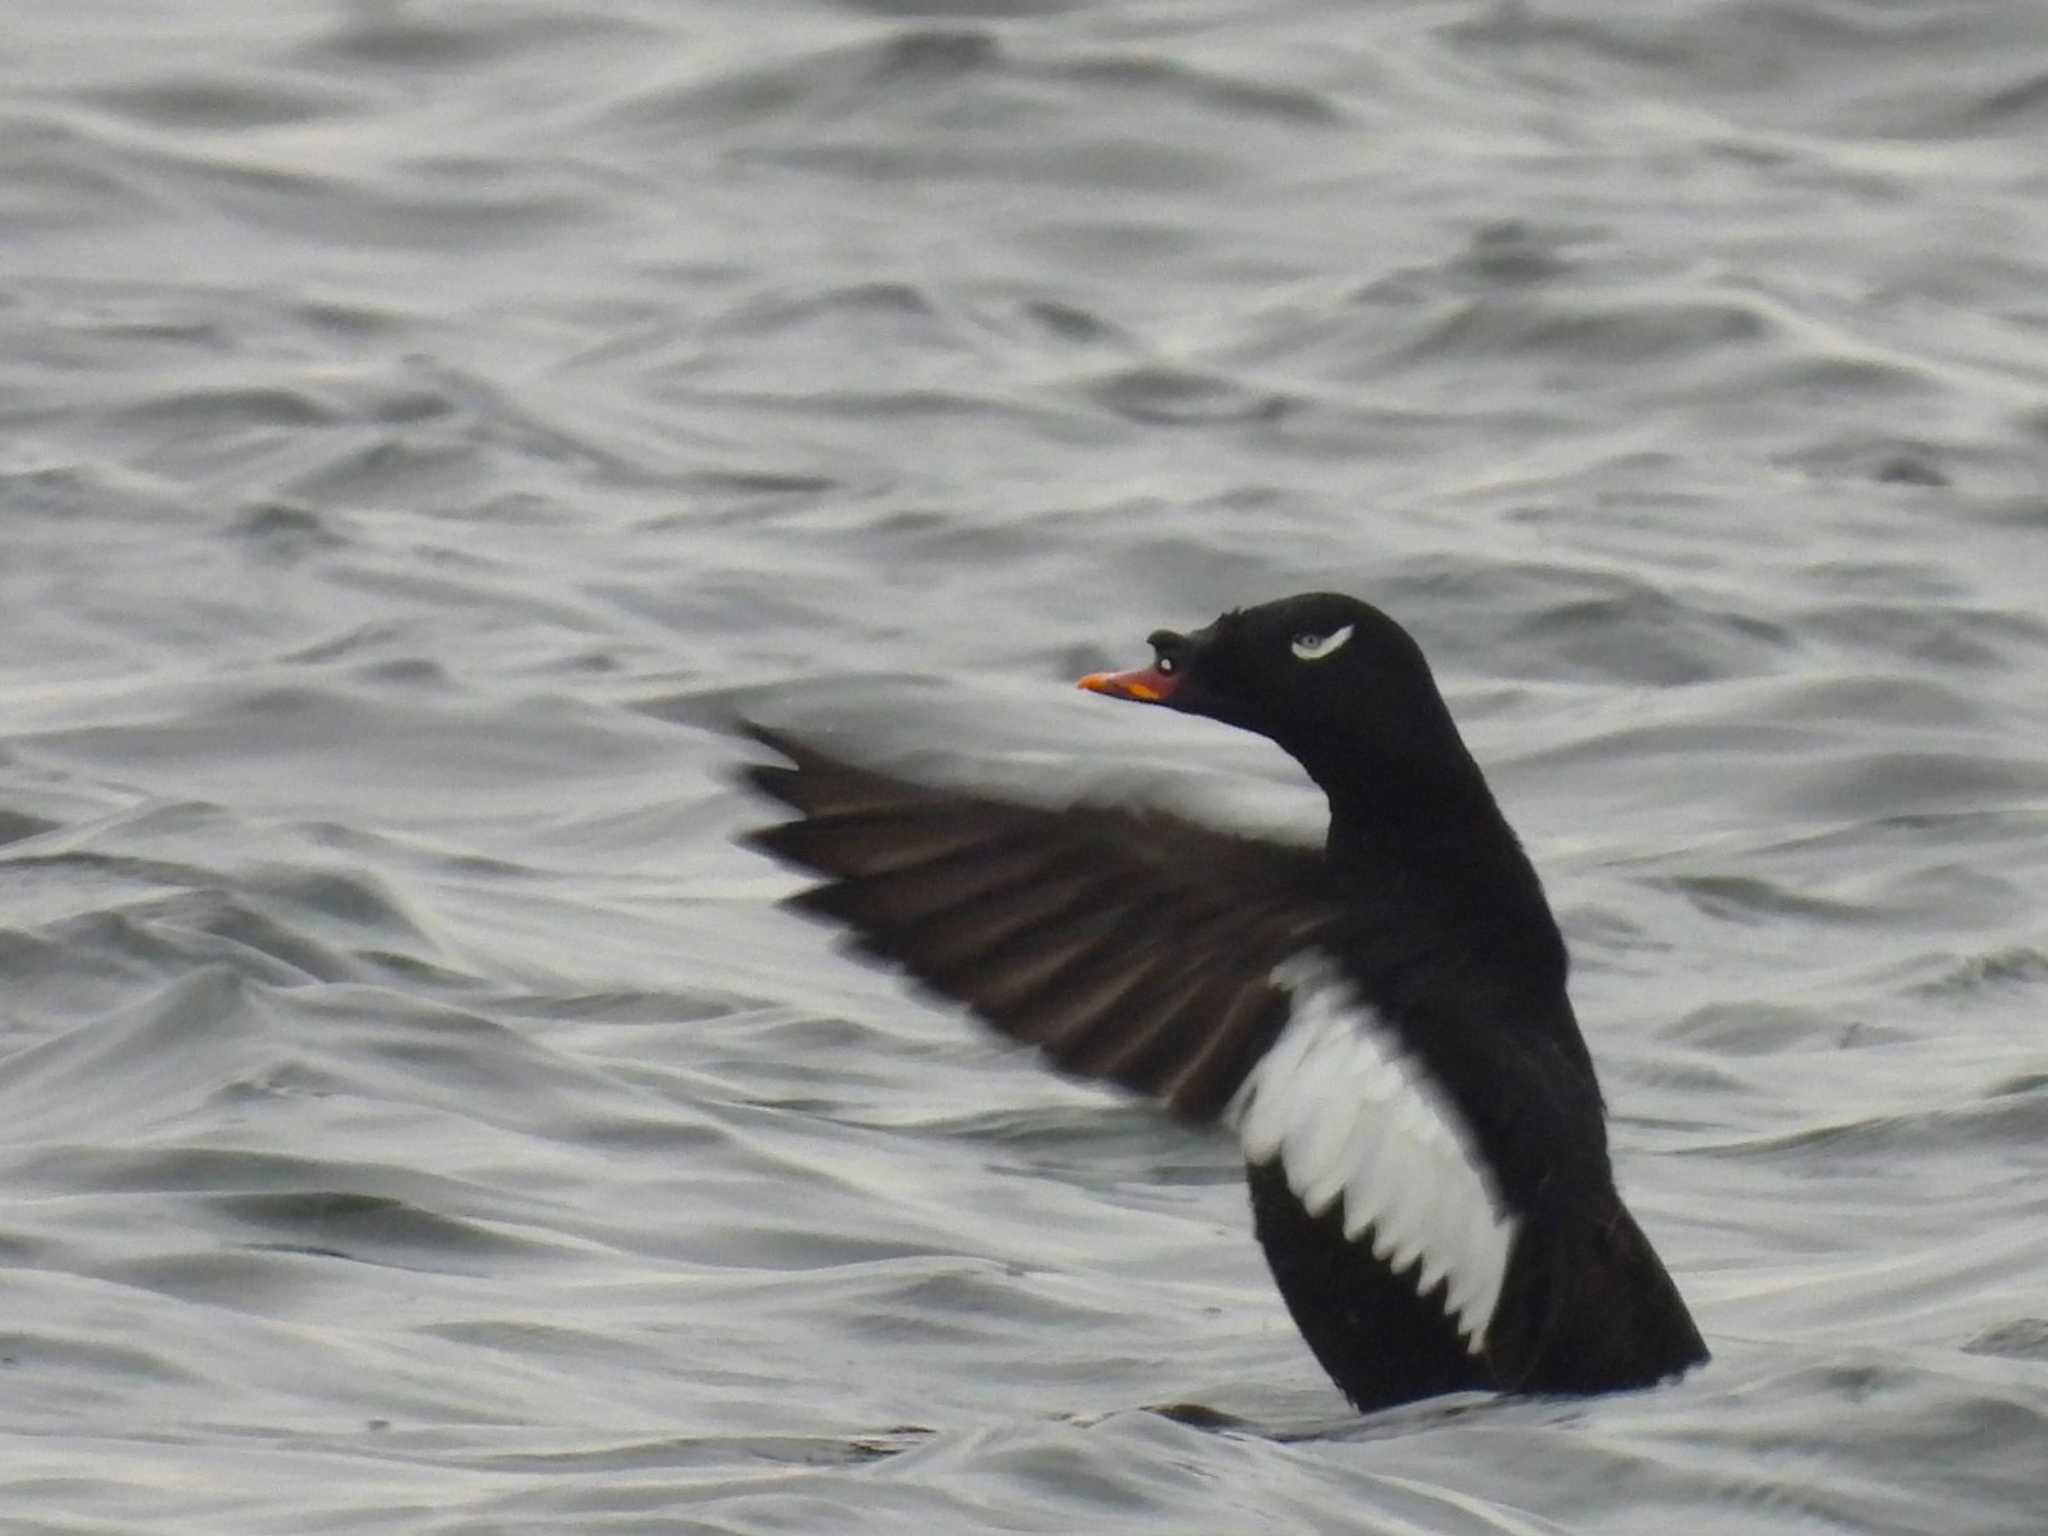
[1133,947]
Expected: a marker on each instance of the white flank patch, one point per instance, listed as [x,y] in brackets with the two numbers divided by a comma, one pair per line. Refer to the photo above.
[1353,1117]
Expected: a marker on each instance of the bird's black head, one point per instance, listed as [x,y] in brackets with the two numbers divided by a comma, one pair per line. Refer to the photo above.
[1332,680]
[1345,690]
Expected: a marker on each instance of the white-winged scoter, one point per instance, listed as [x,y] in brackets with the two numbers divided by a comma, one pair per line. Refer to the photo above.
[1383,1022]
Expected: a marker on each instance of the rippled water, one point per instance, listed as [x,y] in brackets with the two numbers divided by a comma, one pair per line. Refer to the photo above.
[426,424]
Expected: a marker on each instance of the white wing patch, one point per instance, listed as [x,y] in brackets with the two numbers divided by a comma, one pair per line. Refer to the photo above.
[1351,1116]
[1316,647]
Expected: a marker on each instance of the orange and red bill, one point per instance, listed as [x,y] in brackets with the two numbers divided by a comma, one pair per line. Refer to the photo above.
[1146,685]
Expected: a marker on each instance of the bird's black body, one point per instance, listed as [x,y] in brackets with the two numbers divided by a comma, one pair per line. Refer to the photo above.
[1414,956]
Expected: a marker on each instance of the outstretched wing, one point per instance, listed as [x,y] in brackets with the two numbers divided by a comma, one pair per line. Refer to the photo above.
[1135,947]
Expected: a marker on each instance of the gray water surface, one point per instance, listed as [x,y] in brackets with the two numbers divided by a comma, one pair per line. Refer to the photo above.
[427,424]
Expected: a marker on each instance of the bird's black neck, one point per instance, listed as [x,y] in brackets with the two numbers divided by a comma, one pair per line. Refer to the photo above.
[1426,839]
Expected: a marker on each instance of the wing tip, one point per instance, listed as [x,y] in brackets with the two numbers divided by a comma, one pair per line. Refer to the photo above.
[805,780]
[797,754]
[774,738]
[773,840]
[776,781]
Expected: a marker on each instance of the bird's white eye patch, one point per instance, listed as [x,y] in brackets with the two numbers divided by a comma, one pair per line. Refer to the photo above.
[1315,647]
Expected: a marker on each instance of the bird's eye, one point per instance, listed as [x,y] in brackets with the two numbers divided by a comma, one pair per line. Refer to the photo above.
[1166,665]
[1314,647]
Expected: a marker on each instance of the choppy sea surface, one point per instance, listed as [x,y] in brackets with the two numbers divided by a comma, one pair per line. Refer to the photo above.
[423,426]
